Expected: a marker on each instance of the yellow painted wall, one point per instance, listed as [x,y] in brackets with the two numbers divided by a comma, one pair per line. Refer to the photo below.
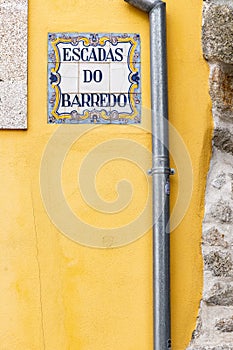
[56,294]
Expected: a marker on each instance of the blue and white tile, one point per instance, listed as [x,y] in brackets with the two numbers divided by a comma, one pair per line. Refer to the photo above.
[119,77]
[70,79]
[94,77]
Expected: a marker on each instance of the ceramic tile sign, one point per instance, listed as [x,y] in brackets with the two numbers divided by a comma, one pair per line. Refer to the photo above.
[94,78]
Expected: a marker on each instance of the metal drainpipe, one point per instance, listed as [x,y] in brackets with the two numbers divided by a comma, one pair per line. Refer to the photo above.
[160,171]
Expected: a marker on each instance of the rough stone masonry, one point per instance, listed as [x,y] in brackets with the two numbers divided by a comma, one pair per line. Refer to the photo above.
[214,330]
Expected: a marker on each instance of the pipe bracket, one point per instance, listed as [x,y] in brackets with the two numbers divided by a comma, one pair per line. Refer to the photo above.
[161,170]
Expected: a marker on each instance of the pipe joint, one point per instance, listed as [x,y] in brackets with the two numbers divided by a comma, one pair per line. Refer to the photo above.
[144,5]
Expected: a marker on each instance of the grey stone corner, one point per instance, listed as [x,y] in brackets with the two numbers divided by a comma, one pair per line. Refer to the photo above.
[217,31]
[13,64]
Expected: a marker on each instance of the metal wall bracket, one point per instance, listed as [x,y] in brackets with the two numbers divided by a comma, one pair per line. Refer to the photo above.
[161,170]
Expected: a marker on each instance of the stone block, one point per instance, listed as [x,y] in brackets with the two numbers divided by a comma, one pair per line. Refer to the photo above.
[222,212]
[213,237]
[219,263]
[221,90]
[219,180]
[225,325]
[218,347]
[217,32]
[221,294]
[13,105]
[13,64]
[223,140]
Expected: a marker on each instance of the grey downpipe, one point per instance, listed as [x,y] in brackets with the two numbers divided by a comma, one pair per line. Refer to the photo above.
[160,171]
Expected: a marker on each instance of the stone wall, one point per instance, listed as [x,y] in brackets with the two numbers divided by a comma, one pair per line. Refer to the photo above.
[214,330]
[13,64]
